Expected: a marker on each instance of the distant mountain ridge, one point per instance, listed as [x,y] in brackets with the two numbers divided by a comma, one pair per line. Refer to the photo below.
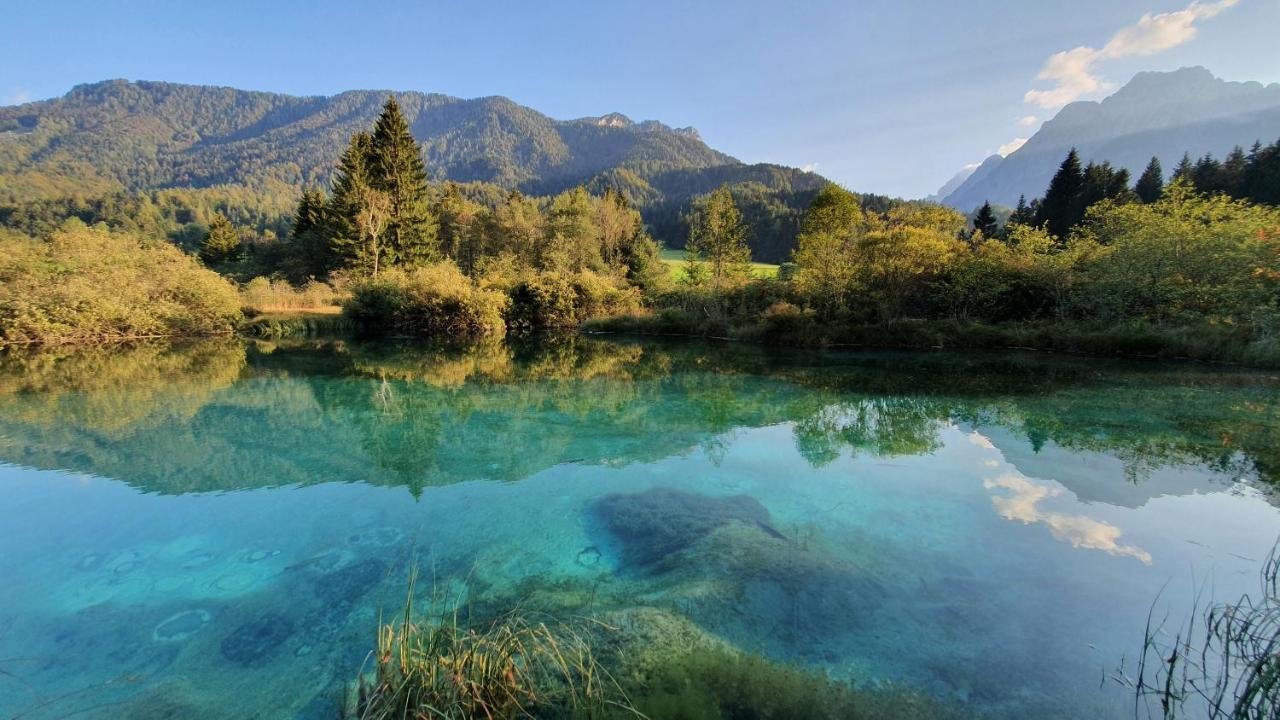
[122,135]
[1161,114]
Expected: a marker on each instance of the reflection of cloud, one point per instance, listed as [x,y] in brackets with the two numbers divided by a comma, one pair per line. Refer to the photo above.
[1022,505]
[1073,72]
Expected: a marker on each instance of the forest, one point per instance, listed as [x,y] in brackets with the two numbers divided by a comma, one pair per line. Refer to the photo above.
[1099,263]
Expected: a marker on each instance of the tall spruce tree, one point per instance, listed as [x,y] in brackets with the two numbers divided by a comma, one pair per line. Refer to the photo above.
[396,169]
[985,221]
[221,244]
[1151,183]
[350,187]
[1023,214]
[1184,169]
[1062,207]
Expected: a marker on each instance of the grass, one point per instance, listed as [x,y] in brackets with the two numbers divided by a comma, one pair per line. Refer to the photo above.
[442,665]
[298,323]
[674,260]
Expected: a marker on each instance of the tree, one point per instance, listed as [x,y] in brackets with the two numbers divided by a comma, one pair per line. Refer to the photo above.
[309,253]
[825,248]
[373,212]
[1062,206]
[1184,168]
[396,168]
[1023,214]
[353,178]
[222,242]
[1151,182]
[719,236]
[985,221]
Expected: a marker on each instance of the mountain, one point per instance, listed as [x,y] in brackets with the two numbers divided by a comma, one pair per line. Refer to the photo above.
[1161,114]
[133,136]
[950,186]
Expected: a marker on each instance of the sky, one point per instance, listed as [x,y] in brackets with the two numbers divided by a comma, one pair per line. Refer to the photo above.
[881,96]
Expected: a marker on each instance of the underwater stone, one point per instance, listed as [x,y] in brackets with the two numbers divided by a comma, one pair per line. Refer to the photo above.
[92,561]
[181,626]
[351,582]
[379,537]
[588,556]
[653,524]
[254,642]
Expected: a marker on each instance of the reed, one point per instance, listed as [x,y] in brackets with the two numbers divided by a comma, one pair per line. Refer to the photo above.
[440,664]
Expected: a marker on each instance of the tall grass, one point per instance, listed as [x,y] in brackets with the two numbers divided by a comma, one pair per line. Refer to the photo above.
[441,664]
[1224,664]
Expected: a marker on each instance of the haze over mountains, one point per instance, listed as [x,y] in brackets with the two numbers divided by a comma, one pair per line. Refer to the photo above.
[119,135]
[1161,114]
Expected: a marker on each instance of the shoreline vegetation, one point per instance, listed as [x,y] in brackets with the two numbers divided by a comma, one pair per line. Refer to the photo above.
[1188,269]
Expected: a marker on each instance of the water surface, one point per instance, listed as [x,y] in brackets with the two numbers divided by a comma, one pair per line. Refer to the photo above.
[211,530]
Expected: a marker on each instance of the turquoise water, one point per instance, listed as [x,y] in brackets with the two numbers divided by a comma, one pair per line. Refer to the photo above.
[212,530]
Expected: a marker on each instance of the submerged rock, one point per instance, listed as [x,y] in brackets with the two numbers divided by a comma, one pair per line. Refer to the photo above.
[181,626]
[656,523]
[351,582]
[255,642]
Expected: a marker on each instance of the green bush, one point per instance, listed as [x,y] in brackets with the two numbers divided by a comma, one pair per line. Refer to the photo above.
[551,300]
[85,284]
[433,301]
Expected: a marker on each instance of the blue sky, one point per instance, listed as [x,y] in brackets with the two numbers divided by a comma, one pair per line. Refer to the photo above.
[880,95]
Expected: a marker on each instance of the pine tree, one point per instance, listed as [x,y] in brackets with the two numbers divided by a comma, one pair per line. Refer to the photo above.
[396,168]
[1023,214]
[222,242]
[1184,168]
[1151,183]
[309,251]
[352,181]
[1232,176]
[985,221]
[1062,207]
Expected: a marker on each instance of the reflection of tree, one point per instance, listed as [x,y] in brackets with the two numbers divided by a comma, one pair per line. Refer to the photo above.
[212,416]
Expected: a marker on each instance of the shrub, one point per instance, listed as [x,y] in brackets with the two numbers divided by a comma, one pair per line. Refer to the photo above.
[549,300]
[264,295]
[434,300]
[87,283]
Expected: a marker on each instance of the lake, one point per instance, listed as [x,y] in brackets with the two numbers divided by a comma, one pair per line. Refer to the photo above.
[214,529]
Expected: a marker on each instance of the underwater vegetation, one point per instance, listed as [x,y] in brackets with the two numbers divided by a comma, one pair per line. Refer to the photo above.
[445,664]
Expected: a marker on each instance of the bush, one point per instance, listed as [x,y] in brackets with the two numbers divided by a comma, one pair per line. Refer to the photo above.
[549,300]
[264,295]
[434,300]
[85,284]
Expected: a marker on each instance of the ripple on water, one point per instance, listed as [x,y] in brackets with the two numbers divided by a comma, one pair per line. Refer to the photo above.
[181,626]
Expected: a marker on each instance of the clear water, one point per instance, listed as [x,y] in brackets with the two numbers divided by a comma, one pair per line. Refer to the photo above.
[212,530]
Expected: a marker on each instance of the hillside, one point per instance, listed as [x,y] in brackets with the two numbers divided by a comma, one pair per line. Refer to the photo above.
[133,136]
[1161,114]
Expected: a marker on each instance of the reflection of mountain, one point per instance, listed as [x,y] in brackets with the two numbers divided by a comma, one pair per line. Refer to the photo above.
[1091,475]
[222,415]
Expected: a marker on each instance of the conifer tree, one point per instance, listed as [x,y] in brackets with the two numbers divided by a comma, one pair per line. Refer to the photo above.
[1023,214]
[396,168]
[349,192]
[1062,207]
[1151,183]
[1184,168]
[222,242]
[985,221]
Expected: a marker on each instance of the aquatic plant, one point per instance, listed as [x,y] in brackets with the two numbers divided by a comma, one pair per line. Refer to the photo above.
[1223,665]
[448,664]
[718,682]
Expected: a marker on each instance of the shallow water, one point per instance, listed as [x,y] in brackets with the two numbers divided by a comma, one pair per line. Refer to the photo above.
[212,530]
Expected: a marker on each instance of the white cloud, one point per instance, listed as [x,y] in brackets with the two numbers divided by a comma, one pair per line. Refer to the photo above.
[1028,120]
[811,167]
[1073,72]
[17,98]
[1011,146]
